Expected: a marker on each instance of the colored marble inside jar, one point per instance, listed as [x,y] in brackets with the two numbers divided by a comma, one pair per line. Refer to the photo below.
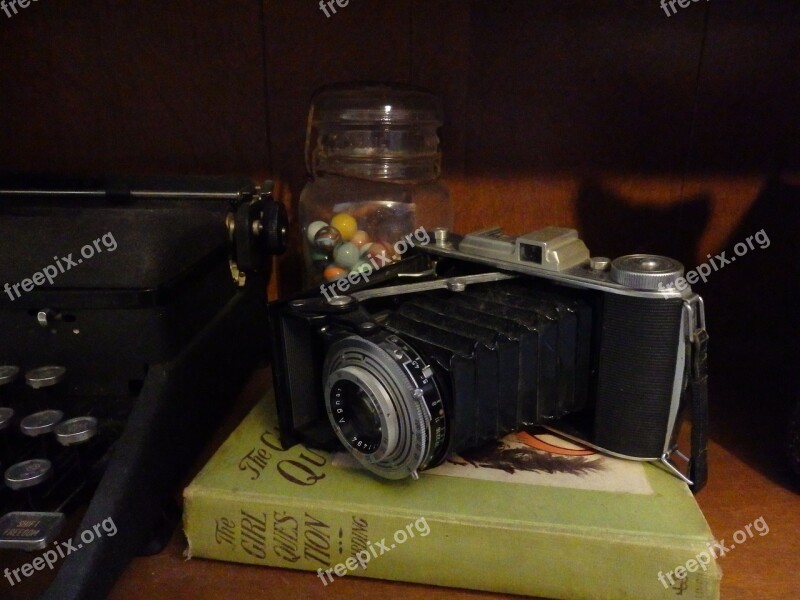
[313,228]
[332,272]
[346,225]
[346,255]
[327,238]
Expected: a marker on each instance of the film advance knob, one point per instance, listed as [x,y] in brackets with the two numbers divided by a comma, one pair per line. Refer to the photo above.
[646,271]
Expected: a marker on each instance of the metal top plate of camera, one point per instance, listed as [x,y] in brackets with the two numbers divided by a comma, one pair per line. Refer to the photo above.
[558,253]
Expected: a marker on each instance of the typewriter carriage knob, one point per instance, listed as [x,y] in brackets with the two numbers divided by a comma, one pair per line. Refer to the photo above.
[257,229]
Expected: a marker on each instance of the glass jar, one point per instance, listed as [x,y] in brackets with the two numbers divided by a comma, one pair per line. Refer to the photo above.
[373,155]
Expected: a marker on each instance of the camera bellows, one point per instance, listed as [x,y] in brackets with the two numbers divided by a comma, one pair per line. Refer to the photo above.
[512,354]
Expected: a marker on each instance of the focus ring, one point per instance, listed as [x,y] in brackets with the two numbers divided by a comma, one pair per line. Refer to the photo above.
[394,376]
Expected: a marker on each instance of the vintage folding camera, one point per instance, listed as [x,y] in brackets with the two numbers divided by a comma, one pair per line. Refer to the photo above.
[472,338]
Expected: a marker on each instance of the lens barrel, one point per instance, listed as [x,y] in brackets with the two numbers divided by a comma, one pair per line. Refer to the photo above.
[384,404]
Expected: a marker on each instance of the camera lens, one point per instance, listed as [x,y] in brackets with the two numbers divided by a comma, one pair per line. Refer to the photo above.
[356,416]
[362,412]
[384,405]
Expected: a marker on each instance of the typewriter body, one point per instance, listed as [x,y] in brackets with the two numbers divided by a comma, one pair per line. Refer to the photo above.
[131,314]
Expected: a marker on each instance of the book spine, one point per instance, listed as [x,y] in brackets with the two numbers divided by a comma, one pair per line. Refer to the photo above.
[341,541]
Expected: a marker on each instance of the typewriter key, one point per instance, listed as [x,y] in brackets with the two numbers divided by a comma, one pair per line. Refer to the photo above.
[45,377]
[27,479]
[41,422]
[6,414]
[38,425]
[76,431]
[44,385]
[74,435]
[8,374]
[29,531]
[28,474]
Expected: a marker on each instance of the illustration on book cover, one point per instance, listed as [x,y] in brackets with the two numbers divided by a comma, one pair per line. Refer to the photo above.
[537,457]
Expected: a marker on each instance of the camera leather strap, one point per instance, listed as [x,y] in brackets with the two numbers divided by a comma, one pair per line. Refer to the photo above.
[698,388]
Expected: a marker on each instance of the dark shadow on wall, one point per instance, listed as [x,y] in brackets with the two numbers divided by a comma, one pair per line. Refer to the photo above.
[611,226]
[754,323]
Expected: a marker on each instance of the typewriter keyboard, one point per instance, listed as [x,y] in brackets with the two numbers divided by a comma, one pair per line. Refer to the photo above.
[53,448]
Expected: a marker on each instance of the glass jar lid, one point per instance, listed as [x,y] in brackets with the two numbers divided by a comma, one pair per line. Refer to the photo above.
[374,131]
[375,103]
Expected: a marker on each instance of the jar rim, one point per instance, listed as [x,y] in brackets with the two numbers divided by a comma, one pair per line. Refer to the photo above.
[375,103]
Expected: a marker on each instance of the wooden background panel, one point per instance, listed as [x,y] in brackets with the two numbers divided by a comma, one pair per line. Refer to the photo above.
[29,114]
[566,85]
[563,99]
[441,35]
[748,118]
[134,87]
[364,41]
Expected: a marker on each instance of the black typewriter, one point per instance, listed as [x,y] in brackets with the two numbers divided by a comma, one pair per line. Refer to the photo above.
[131,314]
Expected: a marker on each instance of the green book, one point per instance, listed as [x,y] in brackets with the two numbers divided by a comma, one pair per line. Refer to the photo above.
[530,515]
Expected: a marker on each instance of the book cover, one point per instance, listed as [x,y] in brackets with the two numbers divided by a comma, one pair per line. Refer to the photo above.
[531,514]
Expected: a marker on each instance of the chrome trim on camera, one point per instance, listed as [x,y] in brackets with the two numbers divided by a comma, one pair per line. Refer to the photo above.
[693,324]
[677,383]
[578,276]
[554,248]
[666,461]
[445,283]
